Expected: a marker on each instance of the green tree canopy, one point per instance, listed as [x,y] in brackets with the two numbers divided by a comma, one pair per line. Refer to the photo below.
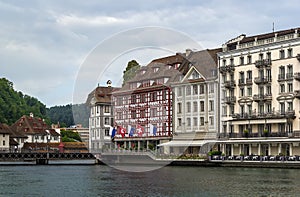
[130,71]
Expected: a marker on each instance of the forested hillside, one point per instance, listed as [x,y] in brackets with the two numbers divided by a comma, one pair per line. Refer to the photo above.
[14,104]
[68,115]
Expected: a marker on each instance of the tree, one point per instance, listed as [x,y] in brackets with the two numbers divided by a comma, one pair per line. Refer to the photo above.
[130,71]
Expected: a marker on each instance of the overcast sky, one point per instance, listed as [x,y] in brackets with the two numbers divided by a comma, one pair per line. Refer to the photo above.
[44,44]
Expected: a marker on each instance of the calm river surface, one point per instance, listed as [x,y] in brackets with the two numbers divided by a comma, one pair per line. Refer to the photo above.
[168,181]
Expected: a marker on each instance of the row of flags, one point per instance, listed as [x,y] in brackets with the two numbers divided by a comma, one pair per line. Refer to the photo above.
[139,130]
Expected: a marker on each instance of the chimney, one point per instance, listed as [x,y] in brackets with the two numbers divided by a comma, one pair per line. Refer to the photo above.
[31,115]
[108,83]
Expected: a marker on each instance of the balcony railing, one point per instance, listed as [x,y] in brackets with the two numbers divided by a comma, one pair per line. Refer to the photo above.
[263,63]
[281,77]
[229,84]
[227,68]
[262,80]
[297,76]
[262,97]
[249,81]
[264,115]
[242,82]
[230,99]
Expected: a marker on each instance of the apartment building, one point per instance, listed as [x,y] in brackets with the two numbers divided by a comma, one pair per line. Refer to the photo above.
[260,94]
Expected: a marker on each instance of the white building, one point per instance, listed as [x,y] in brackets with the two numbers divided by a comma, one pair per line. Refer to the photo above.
[196,108]
[101,118]
[260,86]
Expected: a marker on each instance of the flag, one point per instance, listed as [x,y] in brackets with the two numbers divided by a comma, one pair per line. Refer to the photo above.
[113,132]
[131,132]
[110,130]
[140,130]
[129,129]
[153,130]
[123,131]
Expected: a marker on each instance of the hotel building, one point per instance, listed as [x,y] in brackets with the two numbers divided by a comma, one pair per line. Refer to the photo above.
[260,94]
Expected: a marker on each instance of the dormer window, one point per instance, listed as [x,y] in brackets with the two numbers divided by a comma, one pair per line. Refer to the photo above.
[142,72]
[155,70]
[195,75]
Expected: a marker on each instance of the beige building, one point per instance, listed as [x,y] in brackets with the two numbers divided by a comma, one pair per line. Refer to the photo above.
[260,94]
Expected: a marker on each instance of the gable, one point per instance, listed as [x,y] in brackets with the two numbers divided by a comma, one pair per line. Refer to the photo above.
[193,73]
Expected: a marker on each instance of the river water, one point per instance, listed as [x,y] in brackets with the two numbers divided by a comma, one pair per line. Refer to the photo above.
[95,180]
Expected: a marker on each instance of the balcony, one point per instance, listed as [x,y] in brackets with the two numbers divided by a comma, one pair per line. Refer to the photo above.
[242,82]
[297,94]
[263,63]
[230,100]
[297,76]
[227,68]
[264,115]
[230,84]
[281,77]
[262,97]
[298,57]
[262,80]
[249,81]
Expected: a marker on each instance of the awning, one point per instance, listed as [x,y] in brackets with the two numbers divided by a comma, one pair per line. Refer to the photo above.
[186,143]
[249,141]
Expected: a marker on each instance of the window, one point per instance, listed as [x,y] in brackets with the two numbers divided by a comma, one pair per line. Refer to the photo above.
[143,113]
[179,122]
[195,75]
[153,96]
[188,120]
[231,109]
[231,61]
[261,56]
[282,88]
[242,92]
[249,91]
[290,52]
[143,98]
[224,62]
[133,99]
[195,89]
[224,110]
[269,90]
[269,55]
[188,90]
[202,89]
[211,105]
[3,142]
[281,54]
[282,108]
[106,132]
[195,106]
[242,60]
[211,120]
[201,121]
[211,88]
[269,107]
[179,105]
[106,109]
[133,114]
[97,109]
[290,71]
[3,135]
[249,75]
[201,106]
[290,87]
[281,72]
[290,106]
[195,121]
[106,121]
[249,59]
[188,107]
[179,91]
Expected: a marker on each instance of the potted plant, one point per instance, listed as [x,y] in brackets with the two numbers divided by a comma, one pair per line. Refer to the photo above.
[246,132]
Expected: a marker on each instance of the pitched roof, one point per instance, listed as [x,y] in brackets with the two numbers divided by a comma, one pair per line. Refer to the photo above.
[4,129]
[165,67]
[27,125]
[205,61]
[101,94]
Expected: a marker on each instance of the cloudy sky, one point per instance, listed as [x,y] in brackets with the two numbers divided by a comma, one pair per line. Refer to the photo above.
[45,44]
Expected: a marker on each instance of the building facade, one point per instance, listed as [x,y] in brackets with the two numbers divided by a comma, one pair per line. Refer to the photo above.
[143,107]
[259,91]
[195,105]
[101,117]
